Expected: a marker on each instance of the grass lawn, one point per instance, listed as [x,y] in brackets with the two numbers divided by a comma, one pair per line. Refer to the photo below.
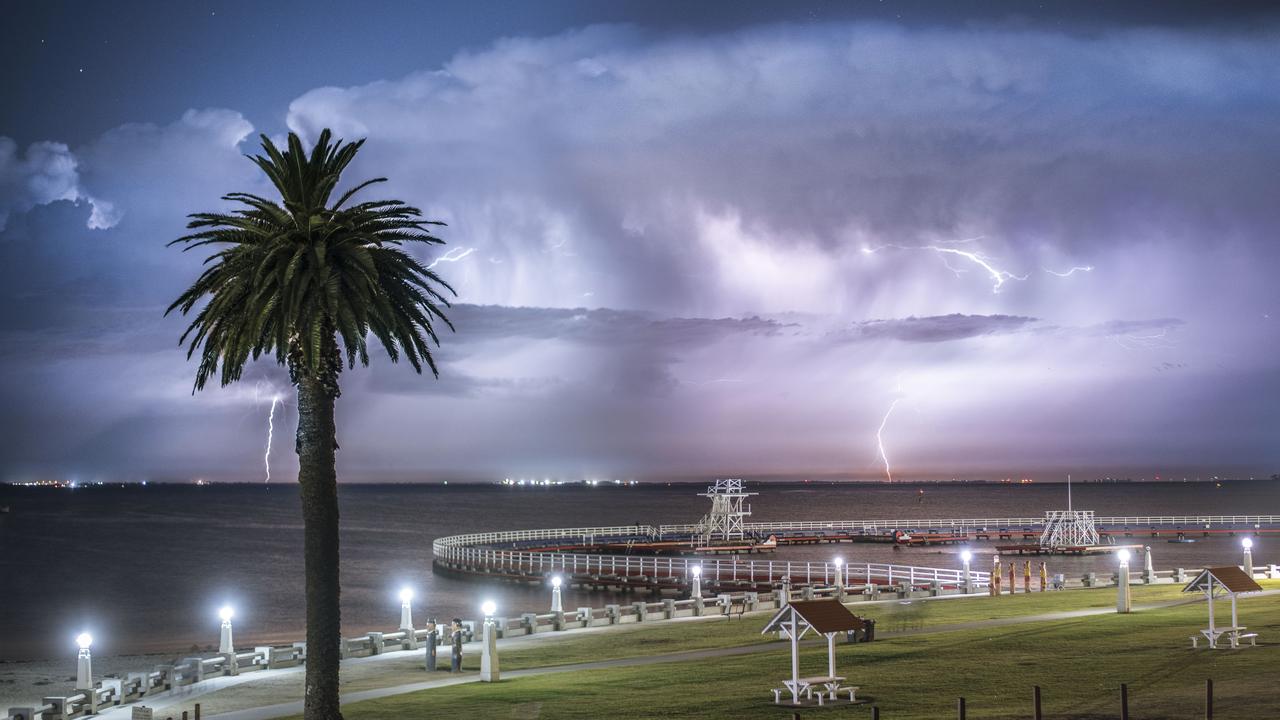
[660,638]
[1079,663]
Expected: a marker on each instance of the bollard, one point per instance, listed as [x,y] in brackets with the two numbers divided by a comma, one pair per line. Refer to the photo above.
[455,636]
[433,641]
[960,709]
[1124,701]
[1208,699]
[1036,696]
[1044,575]
[184,715]
[1026,577]
[875,713]
[1013,578]
[197,711]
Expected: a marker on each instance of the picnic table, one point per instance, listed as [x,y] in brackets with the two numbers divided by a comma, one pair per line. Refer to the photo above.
[831,684]
[1233,633]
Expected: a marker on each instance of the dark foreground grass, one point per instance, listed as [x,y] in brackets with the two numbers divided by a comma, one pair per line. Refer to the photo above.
[1079,663]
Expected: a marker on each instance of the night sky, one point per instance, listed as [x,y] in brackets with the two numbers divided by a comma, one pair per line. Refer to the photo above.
[1010,238]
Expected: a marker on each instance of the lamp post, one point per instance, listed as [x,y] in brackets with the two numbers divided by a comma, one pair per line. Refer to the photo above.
[489,645]
[696,594]
[965,557]
[406,610]
[1247,544]
[839,562]
[84,662]
[557,605]
[224,642]
[1123,598]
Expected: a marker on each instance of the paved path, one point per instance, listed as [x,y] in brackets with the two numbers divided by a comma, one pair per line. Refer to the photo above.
[295,708]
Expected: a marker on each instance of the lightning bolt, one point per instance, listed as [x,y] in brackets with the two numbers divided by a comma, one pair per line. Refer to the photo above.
[999,277]
[271,430]
[888,472]
[1072,271]
[454,255]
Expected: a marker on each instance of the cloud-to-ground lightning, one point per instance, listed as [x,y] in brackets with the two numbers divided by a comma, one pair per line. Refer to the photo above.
[271,430]
[454,255]
[1072,271]
[888,471]
[998,276]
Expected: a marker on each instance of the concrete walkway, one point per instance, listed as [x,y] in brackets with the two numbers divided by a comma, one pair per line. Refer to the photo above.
[295,708]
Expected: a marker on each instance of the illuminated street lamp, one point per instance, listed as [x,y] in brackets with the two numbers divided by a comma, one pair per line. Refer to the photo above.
[1247,544]
[557,604]
[224,642]
[965,557]
[84,662]
[489,646]
[697,583]
[406,610]
[839,562]
[1124,600]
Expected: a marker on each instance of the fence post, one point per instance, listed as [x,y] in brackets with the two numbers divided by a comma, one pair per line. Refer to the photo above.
[1036,696]
[1208,699]
[875,713]
[960,708]
[1124,701]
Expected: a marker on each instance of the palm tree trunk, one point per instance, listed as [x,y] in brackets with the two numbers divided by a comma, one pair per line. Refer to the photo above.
[318,478]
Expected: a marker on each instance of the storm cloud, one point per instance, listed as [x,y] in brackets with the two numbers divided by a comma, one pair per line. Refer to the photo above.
[705,252]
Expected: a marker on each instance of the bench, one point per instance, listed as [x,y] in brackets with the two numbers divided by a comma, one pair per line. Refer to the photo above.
[731,607]
[1195,642]
[1251,637]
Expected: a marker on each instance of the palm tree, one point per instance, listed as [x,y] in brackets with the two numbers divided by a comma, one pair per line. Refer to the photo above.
[309,281]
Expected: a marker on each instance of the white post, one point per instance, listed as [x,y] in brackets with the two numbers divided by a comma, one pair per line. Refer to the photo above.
[795,659]
[84,663]
[1247,543]
[831,654]
[1209,592]
[1123,596]
[406,611]
[839,576]
[224,640]
[966,556]
[489,646]
[697,583]
[1234,621]
[1149,569]
[556,604]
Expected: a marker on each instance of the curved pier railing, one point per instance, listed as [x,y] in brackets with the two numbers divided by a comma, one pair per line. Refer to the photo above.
[498,553]
[1117,522]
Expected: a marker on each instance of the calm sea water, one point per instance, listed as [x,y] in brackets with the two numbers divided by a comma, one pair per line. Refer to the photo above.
[145,568]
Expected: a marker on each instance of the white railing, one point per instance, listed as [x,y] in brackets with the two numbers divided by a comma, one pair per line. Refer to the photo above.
[469,551]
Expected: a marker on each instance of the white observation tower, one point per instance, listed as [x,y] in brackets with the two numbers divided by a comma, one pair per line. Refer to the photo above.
[1069,528]
[725,521]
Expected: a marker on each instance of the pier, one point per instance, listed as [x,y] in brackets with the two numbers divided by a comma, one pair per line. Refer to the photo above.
[655,558]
